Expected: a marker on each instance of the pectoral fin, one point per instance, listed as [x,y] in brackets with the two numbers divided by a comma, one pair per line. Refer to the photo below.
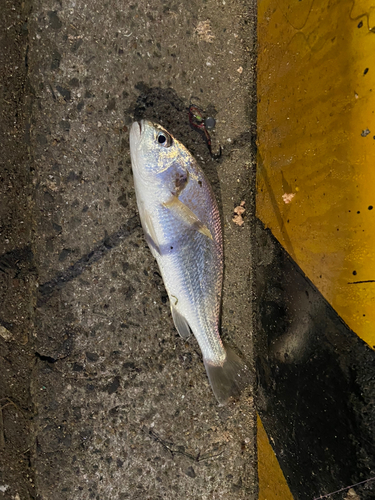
[150,233]
[187,216]
[180,323]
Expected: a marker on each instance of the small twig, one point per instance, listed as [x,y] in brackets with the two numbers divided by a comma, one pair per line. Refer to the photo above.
[11,403]
[344,489]
[208,457]
[4,406]
[173,451]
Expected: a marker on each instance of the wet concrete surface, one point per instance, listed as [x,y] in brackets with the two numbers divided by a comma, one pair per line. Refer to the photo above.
[103,399]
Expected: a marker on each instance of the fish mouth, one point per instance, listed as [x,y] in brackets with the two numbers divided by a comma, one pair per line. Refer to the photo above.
[136,131]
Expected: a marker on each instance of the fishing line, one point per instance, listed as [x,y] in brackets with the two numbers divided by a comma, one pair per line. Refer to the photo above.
[344,489]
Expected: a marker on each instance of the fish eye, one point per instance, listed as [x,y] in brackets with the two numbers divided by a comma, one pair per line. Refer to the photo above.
[164,139]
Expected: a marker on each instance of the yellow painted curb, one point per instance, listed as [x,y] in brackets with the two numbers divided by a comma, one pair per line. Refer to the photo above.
[316,141]
[272,483]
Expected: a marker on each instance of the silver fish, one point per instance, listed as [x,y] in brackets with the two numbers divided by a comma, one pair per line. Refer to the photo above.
[181,222]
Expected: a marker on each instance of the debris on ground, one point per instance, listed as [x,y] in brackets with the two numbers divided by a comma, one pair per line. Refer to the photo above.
[288,197]
[197,121]
[352,495]
[210,123]
[365,132]
[204,32]
[6,334]
[239,211]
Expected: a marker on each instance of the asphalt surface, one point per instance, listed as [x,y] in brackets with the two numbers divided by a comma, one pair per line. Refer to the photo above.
[100,397]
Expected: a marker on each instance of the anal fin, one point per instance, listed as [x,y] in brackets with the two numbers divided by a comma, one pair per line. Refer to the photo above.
[182,326]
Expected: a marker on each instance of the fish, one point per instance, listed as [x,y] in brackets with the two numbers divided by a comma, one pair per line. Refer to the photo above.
[181,223]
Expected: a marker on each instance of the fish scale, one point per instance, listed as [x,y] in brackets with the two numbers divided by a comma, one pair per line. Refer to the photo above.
[181,222]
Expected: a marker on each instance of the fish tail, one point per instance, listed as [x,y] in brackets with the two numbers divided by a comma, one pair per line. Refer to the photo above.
[228,379]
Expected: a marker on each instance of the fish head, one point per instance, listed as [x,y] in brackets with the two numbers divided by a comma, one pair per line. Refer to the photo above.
[158,159]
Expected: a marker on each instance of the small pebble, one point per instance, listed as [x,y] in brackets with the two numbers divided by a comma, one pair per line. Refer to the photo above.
[210,123]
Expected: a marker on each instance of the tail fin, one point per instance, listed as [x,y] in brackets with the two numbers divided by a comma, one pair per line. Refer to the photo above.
[229,379]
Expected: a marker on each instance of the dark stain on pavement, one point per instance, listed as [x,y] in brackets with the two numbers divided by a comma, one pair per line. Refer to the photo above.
[87,260]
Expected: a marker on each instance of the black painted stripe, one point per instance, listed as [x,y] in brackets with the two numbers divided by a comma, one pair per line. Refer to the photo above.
[316,381]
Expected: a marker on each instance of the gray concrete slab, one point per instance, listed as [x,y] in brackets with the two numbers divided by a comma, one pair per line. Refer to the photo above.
[17,276]
[123,408]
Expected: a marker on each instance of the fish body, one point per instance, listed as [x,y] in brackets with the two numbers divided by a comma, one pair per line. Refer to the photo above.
[181,222]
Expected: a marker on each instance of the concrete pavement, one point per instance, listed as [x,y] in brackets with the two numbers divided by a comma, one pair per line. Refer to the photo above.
[120,406]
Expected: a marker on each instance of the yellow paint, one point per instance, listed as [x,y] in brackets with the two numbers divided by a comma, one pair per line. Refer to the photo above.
[316,99]
[272,483]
